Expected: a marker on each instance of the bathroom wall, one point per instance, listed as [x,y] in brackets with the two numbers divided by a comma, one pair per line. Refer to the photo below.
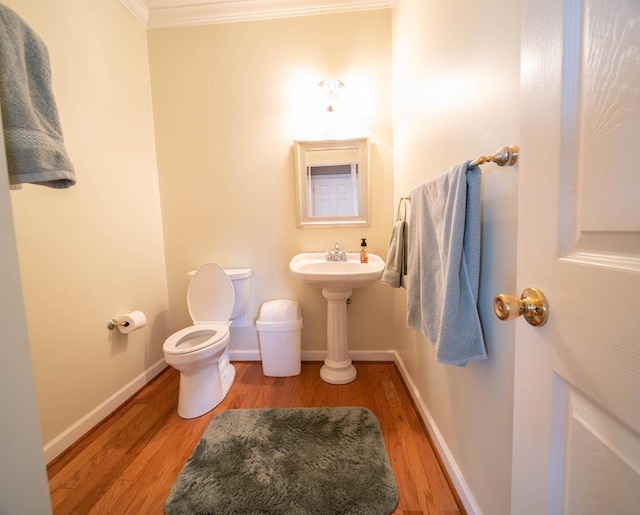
[456,95]
[229,101]
[93,251]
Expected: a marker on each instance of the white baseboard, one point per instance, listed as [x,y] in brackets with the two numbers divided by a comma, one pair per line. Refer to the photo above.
[463,490]
[244,355]
[72,434]
[318,355]
[372,355]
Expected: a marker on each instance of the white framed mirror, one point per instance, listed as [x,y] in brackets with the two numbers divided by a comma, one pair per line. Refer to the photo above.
[332,182]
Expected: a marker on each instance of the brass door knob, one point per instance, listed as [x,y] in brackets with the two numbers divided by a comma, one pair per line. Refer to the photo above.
[532,304]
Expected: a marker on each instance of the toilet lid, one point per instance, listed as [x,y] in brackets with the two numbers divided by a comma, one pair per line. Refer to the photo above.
[210,296]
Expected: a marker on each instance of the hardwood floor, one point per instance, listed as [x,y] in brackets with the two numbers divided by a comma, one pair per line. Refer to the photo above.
[128,464]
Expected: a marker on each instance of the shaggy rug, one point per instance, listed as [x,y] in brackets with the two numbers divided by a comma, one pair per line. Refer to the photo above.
[287,461]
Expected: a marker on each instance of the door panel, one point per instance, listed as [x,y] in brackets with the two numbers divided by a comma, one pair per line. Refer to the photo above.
[602,460]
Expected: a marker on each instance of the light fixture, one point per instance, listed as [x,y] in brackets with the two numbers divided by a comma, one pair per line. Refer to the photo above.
[331,87]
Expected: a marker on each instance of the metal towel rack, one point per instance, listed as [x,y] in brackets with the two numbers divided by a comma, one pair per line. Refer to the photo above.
[506,156]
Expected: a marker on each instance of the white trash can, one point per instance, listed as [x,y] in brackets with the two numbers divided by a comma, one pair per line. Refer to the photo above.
[279,327]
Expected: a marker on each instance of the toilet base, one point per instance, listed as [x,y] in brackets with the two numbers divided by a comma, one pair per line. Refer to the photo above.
[204,389]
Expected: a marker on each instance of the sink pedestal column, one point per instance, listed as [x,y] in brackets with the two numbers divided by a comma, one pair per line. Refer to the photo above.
[337,368]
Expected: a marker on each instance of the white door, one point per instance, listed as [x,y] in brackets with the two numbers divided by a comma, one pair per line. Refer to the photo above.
[577,378]
[334,195]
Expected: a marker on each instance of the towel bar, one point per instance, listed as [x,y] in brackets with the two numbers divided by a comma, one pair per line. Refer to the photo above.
[506,156]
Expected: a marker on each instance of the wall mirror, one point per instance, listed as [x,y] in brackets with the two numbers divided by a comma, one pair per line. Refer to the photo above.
[332,182]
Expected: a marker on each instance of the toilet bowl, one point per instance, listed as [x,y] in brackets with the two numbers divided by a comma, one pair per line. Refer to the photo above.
[201,352]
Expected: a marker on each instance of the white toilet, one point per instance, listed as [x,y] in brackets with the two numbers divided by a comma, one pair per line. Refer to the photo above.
[215,298]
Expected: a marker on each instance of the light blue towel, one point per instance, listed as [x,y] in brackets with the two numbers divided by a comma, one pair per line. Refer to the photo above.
[32,133]
[444,265]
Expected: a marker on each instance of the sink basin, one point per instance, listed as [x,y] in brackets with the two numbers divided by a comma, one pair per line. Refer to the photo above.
[337,279]
[313,269]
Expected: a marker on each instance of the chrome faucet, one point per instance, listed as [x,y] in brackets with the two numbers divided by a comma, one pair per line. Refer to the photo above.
[336,254]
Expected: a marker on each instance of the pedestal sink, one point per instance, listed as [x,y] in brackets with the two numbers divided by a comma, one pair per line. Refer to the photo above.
[337,279]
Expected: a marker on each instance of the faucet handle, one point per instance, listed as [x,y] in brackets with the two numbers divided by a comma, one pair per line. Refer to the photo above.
[337,246]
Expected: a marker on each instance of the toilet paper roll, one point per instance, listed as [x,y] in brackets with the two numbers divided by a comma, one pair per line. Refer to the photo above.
[131,321]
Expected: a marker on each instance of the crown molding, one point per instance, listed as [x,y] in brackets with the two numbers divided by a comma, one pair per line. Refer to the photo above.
[170,14]
[139,10]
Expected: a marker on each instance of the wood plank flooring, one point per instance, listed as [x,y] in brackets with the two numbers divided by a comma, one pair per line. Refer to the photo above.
[128,464]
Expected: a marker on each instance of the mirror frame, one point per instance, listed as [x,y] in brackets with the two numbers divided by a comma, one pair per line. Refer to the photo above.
[301,148]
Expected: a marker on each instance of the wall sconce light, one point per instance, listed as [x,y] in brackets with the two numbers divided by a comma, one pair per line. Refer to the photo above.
[331,87]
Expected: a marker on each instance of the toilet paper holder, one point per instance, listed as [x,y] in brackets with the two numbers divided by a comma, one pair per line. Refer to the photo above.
[113,323]
[129,322]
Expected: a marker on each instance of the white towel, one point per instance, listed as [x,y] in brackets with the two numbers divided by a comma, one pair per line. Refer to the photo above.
[444,265]
[32,133]
[395,267]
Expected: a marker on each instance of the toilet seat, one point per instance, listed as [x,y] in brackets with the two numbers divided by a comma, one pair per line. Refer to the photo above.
[194,338]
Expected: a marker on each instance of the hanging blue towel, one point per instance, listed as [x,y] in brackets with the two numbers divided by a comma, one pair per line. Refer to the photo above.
[444,265]
[32,133]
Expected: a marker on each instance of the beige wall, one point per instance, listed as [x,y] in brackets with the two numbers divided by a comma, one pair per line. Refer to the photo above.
[229,101]
[456,95]
[93,251]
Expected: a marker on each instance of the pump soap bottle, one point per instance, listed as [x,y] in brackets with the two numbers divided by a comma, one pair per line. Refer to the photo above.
[363,251]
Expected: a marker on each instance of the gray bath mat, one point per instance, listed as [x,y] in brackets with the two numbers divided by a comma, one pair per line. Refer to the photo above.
[287,461]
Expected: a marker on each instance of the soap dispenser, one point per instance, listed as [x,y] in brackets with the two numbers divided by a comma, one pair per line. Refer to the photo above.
[363,251]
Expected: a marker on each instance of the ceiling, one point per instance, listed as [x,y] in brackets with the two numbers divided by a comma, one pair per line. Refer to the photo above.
[155,14]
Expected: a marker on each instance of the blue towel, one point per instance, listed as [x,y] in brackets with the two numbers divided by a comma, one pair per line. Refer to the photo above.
[32,133]
[444,265]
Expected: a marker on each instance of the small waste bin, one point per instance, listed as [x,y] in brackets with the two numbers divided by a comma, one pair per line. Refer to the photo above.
[279,327]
